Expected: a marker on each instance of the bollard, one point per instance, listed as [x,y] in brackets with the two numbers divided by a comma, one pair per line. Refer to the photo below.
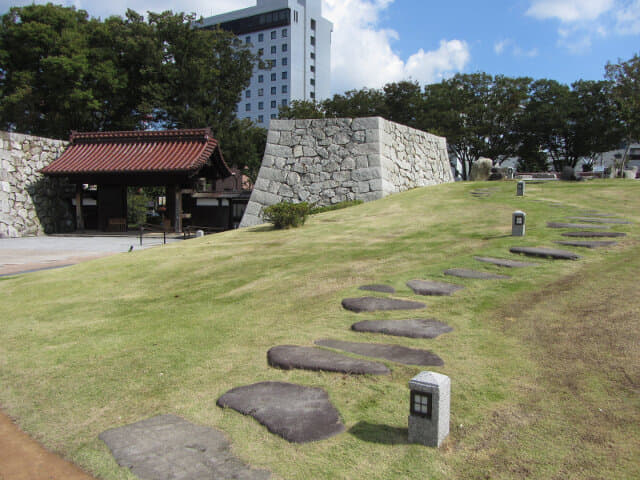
[199,233]
[520,189]
[518,223]
[429,408]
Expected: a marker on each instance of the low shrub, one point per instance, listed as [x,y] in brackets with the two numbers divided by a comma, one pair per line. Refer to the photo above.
[286,215]
[336,206]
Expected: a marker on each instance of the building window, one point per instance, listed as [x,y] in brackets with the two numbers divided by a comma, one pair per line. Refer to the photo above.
[273,49]
[247,107]
[312,94]
[285,47]
[285,75]
[284,102]
[261,37]
[313,24]
[284,88]
[285,62]
[313,81]
[260,118]
[247,39]
[273,90]
[273,115]
[260,105]
[261,92]
[313,56]
[273,104]
[285,32]
[313,40]
[247,94]
[273,35]
[313,68]
[273,77]
[261,78]
[295,16]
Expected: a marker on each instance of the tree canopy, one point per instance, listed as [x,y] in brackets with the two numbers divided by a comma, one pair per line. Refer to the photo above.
[61,70]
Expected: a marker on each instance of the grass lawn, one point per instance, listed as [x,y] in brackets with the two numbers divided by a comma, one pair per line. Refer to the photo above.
[545,367]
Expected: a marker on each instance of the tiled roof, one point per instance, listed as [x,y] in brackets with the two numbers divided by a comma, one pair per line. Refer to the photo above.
[173,151]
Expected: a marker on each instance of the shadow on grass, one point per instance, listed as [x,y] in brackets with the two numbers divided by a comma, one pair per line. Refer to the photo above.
[376,433]
[493,237]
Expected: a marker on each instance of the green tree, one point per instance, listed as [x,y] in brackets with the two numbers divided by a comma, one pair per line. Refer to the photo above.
[365,102]
[302,109]
[243,144]
[625,78]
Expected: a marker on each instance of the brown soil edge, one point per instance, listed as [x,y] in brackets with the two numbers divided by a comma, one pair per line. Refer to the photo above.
[22,458]
[10,269]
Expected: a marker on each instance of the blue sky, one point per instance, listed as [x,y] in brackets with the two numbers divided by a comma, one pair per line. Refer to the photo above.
[380,41]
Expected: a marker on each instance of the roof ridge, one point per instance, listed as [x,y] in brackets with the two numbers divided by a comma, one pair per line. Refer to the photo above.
[203,134]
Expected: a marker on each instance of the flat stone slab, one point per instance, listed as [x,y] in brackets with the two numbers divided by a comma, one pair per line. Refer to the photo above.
[600,220]
[587,243]
[413,328]
[574,225]
[296,413]
[429,287]
[395,353]
[167,447]
[468,273]
[374,304]
[504,262]
[311,358]
[546,253]
[378,288]
[588,234]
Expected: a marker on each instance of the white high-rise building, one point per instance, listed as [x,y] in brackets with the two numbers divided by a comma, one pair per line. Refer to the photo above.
[292,37]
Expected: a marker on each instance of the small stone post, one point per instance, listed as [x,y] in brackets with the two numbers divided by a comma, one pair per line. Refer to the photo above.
[429,408]
[520,189]
[518,223]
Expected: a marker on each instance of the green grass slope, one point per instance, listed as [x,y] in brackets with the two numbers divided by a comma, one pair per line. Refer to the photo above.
[545,367]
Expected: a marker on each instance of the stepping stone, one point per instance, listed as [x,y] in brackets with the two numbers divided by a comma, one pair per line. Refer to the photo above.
[378,288]
[587,234]
[503,262]
[600,220]
[311,358]
[414,328]
[467,273]
[296,413]
[395,353]
[374,304]
[429,287]
[168,447]
[546,253]
[574,225]
[588,243]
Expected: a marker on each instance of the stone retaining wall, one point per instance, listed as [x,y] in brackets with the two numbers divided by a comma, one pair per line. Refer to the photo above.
[30,204]
[327,161]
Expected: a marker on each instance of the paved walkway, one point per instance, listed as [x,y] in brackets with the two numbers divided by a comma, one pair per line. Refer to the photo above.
[21,255]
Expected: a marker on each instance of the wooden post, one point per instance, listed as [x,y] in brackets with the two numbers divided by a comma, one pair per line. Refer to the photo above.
[178,209]
[79,219]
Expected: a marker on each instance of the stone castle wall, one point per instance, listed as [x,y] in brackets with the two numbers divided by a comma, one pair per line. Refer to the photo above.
[327,161]
[30,204]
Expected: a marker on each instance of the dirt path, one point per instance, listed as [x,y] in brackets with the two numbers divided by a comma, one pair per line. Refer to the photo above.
[22,458]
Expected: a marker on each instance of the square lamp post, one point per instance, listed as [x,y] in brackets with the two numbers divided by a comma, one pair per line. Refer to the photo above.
[517,223]
[429,408]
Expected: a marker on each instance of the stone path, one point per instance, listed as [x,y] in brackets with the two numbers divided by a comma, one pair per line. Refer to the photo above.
[429,287]
[503,262]
[413,328]
[168,447]
[546,253]
[574,225]
[374,304]
[587,234]
[468,273]
[395,353]
[378,288]
[600,220]
[587,243]
[287,357]
[296,413]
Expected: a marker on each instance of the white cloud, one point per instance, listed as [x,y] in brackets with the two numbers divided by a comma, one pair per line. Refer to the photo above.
[569,10]
[509,46]
[628,18]
[499,47]
[362,55]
